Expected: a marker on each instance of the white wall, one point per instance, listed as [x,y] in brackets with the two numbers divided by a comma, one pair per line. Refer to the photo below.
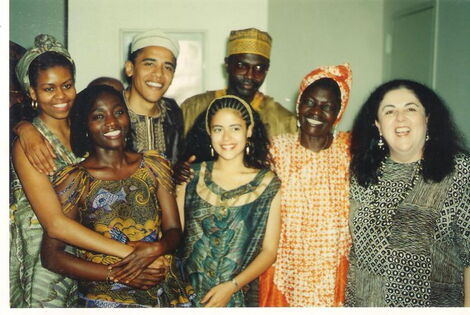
[310,33]
[94,30]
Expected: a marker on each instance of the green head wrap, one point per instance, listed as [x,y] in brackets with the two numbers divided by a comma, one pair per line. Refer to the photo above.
[42,44]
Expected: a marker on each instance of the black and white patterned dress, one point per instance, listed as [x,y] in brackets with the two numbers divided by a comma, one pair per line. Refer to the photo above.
[411,239]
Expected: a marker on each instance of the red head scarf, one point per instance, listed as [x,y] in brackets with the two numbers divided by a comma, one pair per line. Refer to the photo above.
[341,74]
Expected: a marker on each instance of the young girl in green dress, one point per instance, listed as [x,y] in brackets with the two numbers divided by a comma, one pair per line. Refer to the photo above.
[231,209]
[124,196]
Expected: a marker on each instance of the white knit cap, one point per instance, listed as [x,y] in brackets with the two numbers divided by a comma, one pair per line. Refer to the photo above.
[155,38]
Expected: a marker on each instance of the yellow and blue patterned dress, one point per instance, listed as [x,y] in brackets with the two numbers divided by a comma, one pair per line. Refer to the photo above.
[224,230]
[31,285]
[123,210]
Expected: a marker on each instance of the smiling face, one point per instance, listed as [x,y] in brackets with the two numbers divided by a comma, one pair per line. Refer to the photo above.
[54,92]
[108,122]
[246,73]
[229,134]
[152,72]
[401,119]
[318,109]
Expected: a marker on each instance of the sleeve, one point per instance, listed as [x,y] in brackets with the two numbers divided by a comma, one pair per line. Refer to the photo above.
[185,108]
[286,121]
[274,151]
[192,107]
[160,168]
[276,182]
[173,124]
[71,185]
[460,192]
[289,119]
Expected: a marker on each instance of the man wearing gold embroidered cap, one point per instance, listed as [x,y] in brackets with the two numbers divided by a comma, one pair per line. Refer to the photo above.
[247,63]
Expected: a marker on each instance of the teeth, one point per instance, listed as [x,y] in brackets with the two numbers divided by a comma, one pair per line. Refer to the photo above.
[314,122]
[402,130]
[228,146]
[154,84]
[113,133]
[60,105]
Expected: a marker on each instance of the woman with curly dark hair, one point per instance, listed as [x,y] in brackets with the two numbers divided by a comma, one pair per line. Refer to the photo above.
[231,208]
[410,202]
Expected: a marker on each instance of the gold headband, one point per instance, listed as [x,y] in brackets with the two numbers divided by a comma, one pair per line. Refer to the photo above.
[245,104]
[249,41]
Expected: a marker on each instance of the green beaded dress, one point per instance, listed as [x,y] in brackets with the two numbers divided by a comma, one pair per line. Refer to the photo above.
[31,285]
[224,230]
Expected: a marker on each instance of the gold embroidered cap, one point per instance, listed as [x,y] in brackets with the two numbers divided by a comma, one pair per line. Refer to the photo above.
[249,41]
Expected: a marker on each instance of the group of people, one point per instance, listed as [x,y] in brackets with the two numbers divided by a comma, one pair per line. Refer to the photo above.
[121,198]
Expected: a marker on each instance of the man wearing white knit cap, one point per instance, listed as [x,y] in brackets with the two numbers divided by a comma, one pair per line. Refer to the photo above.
[156,121]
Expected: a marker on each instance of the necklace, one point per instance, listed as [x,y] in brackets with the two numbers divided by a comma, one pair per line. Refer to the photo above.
[407,185]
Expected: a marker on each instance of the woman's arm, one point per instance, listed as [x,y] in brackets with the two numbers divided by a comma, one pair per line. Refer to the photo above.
[171,225]
[38,150]
[55,259]
[220,295]
[48,210]
[180,196]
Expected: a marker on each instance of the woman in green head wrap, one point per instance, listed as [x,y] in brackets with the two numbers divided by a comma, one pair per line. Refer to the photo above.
[46,73]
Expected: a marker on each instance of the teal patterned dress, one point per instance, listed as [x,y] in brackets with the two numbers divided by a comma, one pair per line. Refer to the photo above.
[31,285]
[224,230]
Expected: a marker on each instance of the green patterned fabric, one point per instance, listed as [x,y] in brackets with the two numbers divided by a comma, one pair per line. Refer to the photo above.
[123,210]
[224,230]
[31,285]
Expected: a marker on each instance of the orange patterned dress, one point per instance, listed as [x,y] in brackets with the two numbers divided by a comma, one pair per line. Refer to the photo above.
[312,258]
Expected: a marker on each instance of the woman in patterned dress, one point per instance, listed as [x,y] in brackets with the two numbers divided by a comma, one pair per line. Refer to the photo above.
[310,269]
[231,208]
[410,202]
[122,195]
[46,72]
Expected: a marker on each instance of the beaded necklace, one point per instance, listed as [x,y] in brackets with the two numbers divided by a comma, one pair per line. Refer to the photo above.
[408,186]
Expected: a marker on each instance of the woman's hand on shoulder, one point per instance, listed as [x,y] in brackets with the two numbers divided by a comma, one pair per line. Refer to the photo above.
[37,149]
[220,295]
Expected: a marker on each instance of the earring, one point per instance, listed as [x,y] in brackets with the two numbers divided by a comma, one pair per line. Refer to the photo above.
[34,104]
[427,137]
[380,143]
[128,139]
[247,148]
[212,150]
